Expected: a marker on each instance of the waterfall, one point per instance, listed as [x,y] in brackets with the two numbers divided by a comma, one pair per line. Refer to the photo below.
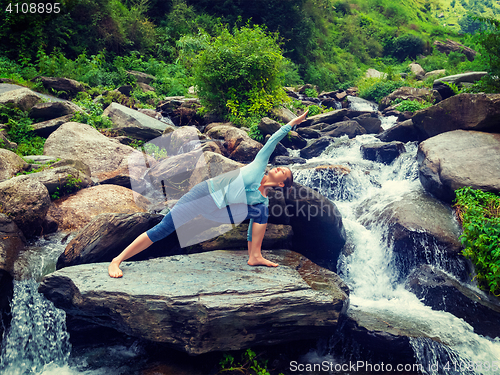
[370,271]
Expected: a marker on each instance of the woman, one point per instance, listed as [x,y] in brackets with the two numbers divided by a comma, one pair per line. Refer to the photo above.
[237,195]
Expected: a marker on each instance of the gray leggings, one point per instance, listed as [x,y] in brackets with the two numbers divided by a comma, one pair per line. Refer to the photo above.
[198,201]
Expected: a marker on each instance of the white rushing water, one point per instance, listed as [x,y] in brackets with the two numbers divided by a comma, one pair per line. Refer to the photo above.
[370,271]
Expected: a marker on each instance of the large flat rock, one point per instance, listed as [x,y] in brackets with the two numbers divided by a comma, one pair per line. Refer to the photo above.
[205,302]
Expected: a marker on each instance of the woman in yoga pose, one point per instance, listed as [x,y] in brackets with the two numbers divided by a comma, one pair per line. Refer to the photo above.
[235,195]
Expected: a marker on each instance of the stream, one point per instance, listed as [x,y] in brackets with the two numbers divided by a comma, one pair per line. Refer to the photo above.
[37,342]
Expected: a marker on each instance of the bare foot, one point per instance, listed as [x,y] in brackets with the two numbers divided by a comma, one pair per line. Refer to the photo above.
[261,261]
[114,270]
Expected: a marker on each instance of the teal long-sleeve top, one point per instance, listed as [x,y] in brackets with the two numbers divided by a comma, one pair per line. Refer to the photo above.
[241,186]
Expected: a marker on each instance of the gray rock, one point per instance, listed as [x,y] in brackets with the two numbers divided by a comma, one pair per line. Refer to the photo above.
[464,111]
[205,302]
[46,128]
[64,85]
[53,110]
[403,132]
[370,122]
[10,164]
[287,160]
[316,147]
[459,158]
[283,114]
[421,230]
[268,126]
[23,98]
[410,93]
[26,202]
[450,45]
[12,243]
[350,128]
[382,152]
[83,142]
[417,70]
[308,133]
[330,117]
[64,179]
[442,292]
[142,77]
[458,79]
[133,123]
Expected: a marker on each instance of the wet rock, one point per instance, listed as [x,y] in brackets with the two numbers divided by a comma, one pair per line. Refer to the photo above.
[26,201]
[287,160]
[308,133]
[205,302]
[81,141]
[317,147]
[458,80]
[350,128]
[444,293]
[370,122]
[464,111]
[312,215]
[11,245]
[6,296]
[10,164]
[459,158]
[77,210]
[330,117]
[52,110]
[382,152]
[402,132]
[134,123]
[421,230]
[23,98]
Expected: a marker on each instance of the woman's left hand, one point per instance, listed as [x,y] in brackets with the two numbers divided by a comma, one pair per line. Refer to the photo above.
[298,120]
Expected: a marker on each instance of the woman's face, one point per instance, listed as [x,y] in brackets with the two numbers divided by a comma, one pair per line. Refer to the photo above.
[279,175]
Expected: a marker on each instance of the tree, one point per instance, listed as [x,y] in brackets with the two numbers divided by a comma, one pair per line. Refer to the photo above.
[239,74]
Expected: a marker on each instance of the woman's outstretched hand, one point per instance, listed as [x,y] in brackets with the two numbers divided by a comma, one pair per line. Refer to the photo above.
[298,120]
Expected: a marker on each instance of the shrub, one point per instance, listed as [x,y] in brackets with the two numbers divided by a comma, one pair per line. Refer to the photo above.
[479,213]
[405,46]
[411,105]
[20,131]
[379,89]
[239,74]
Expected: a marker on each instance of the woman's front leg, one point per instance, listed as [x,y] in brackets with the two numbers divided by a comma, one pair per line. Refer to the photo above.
[255,257]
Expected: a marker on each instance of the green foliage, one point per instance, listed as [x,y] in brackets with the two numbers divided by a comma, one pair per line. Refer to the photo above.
[489,40]
[92,113]
[239,74]
[376,89]
[411,105]
[405,46]
[479,213]
[249,364]
[311,93]
[20,131]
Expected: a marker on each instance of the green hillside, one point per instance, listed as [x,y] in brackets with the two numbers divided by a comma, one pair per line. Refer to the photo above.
[455,13]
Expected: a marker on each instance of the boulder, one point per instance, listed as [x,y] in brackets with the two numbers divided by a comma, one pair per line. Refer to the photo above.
[171,175]
[441,291]
[417,70]
[459,80]
[64,86]
[134,123]
[204,302]
[81,141]
[10,164]
[283,114]
[77,210]
[452,46]
[330,117]
[410,93]
[6,296]
[210,165]
[459,158]
[370,122]
[53,110]
[350,128]
[308,133]
[268,126]
[287,160]
[107,234]
[385,152]
[402,132]
[374,73]
[421,230]
[26,201]
[4,141]
[182,137]
[13,242]
[464,111]
[246,151]
[316,147]
[439,72]
[311,215]
[46,128]
[63,179]
[23,98]
[293,140]
[141,77]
